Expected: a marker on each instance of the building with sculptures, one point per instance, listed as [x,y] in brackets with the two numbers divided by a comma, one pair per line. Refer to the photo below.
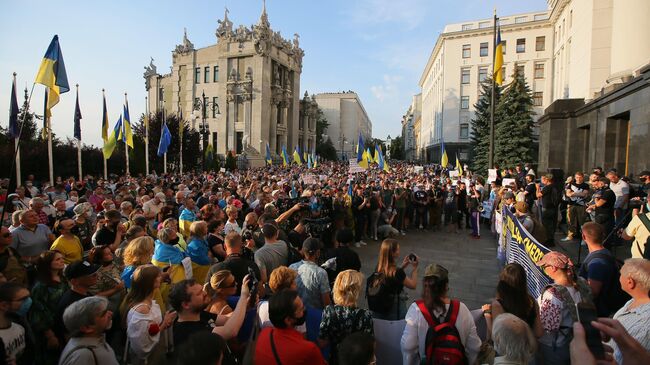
[246,88]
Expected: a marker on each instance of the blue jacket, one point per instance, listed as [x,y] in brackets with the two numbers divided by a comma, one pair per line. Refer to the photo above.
[197,249]
[165,253]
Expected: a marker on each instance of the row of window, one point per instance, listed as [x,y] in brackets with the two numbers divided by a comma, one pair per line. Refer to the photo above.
[206,74]
[465,73]
[538,100]
[540,45]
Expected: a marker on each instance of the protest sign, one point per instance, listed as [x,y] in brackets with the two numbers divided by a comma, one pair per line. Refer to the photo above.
[492,175]
[521,247]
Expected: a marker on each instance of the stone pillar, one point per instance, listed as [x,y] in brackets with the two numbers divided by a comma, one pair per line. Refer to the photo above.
[305,132]
[248,130]
[230,125]
[273,128]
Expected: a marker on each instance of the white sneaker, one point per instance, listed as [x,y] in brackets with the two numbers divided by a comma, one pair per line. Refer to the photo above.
[357,244]
[362,243]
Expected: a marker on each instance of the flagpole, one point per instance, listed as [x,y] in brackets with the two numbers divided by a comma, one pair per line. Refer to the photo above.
[78,144]
[49,149]
[180,135]
[494,47]
[105,161]
[126,144]
[16,146]
[146,137]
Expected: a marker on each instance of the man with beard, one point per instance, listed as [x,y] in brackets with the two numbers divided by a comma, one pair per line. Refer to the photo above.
[189,300]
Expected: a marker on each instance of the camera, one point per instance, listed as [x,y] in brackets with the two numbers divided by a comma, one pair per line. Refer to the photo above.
[247,235]
[317,227]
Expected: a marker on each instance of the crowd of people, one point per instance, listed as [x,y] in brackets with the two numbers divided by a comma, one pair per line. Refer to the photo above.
[259,266]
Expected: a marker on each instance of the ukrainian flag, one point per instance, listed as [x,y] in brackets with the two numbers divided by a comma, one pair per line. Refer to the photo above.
[444,160]
[285,156]
[296,156]
[376,158]
[309,164]
[382,163]
[185,221]
[209,155]
[498,59]
[269,160]
[127,136]
[109,146]
[313,158]
[360,148]
[459,167]
[52,73]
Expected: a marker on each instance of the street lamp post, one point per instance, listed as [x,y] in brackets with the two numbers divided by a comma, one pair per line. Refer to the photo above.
[388,145]
[204,129]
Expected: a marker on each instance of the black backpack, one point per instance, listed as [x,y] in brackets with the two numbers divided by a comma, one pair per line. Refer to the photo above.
[442,344]
[380,299]
[614,295]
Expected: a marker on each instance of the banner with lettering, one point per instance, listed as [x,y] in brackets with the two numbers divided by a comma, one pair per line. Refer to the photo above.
[521,247]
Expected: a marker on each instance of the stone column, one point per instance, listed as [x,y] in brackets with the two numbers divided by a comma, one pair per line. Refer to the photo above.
[230,124]
[273,127]
[305,132]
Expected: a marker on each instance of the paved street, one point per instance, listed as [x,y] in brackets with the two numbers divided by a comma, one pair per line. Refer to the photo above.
[471,263]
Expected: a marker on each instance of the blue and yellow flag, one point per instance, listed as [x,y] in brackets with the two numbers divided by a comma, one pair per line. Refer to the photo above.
[459,167]
[296,156]
[285,156]
[350,189]
[127,135]
[269,160]
[444,161]
[113,137]
[376,158]
[498,58]
[209,155]
[52,73]
[382,163]
[360,148]
[104,121]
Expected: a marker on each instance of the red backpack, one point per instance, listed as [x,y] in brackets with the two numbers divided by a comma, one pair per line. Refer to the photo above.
[443,344]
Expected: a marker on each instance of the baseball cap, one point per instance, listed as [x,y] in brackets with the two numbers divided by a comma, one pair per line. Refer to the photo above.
[555,259]
[311,245]
[437,271]
[80,269]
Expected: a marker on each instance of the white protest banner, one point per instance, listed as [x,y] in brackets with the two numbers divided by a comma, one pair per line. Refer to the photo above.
[507,182]
[309,179]
[418,169]
[453,174]
[492,175]
[354,166]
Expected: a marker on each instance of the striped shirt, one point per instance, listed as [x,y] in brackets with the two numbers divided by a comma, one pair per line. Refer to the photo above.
[636,322]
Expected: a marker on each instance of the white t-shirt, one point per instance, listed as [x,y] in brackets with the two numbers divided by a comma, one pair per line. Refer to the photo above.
[13,339]
[620,189]
[265,321]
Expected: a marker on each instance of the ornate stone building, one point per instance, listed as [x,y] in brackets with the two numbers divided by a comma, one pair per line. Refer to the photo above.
[249,82]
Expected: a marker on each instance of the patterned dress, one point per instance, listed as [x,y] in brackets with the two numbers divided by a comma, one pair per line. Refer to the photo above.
[338,322]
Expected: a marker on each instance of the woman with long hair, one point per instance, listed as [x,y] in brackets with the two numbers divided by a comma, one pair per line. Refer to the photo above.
[144,318]
[512,297]
[344,317]
[393,279]
[435,303]
[49,288]
[557,307]
[109,283]
[221,285]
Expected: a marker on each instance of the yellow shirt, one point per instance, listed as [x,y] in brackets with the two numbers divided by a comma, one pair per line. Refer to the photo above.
[70,248]
[637,229]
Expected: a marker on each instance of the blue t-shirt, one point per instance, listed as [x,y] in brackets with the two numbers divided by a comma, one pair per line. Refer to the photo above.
[603,270]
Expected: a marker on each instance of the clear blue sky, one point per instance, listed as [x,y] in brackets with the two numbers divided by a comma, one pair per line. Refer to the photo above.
[377,48]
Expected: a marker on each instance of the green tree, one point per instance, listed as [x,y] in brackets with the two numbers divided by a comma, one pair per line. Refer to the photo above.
[231,162]
[321,126]
[480,124]
[192,157]
[327,151]
[397,149]
[514,140]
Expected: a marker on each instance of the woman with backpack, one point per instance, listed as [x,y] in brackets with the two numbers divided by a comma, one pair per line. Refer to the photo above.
[437,326]
[385,287]
[557,307]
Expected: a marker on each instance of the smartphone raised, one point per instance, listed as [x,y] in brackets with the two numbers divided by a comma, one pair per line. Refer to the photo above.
[586,314]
